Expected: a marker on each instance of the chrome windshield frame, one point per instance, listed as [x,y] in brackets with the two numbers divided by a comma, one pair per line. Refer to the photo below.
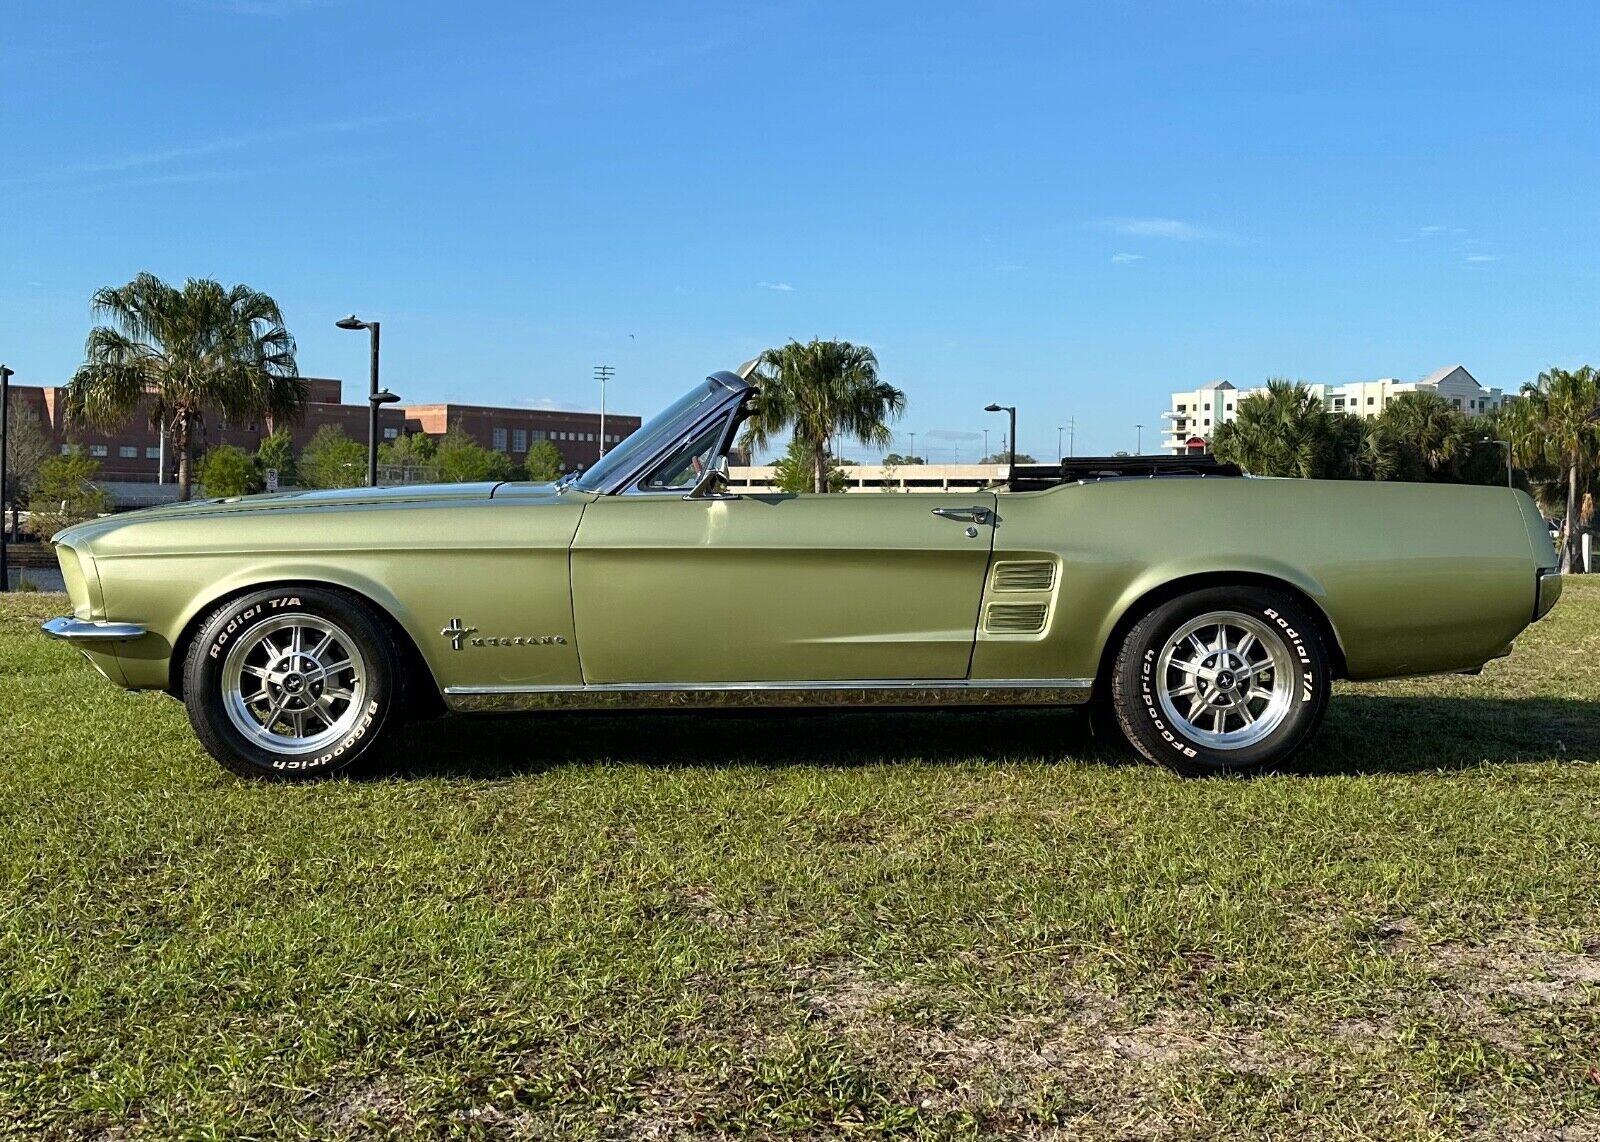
[736,392]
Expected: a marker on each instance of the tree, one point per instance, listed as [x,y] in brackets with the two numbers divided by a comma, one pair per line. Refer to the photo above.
[1281,430]
[794,472]
[27,447]
[65,494]
[1359,449]
[1005,458]
[462,460]
[229,471]
[1428,434]
[408,459]
[277,452]
[544,462]
[1556,422]
[895,460]
[822,389]
[331,459]
[204,347]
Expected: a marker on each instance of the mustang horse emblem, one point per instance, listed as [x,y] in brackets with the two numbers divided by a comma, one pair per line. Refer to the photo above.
[457,633]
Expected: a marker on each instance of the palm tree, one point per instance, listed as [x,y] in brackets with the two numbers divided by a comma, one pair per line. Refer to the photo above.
[1279,431]
[1556,422]
[825,389]
[1362,448]
[1426,426]
[191,350]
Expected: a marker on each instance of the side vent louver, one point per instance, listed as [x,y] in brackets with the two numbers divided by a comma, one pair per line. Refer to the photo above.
[1040,576]
[1015,618]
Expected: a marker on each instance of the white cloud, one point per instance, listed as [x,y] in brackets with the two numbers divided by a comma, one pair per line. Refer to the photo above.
[1430,231]
[1171,228]
[1124,259]
[551,404]
[781,287]
[1477,259]
[262,140]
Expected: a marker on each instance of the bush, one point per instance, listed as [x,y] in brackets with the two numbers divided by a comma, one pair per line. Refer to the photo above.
[408,460]
[544,462]
[229,471]
[64,494]
[462,460]
[792,472]
[331,459]
[277,451]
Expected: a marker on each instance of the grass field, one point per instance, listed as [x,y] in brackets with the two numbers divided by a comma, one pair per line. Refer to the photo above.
[919,925]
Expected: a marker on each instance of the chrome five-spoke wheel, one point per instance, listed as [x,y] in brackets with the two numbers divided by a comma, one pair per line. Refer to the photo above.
[1225,679]
[294,683]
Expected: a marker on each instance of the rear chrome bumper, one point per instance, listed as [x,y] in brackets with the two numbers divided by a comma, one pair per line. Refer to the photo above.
[81,630]
[1549,592]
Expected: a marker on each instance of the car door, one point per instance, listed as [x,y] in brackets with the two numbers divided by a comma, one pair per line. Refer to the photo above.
[779,588]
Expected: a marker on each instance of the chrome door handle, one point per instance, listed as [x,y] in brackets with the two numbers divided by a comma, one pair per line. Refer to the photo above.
[963,515]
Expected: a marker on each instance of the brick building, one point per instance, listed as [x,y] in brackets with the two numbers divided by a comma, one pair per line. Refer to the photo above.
[134,453]
[576,435]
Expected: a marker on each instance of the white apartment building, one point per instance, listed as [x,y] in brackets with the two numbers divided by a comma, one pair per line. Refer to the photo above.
[1195,415]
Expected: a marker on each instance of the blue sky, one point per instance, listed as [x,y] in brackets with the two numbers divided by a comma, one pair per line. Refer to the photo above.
[1077,207]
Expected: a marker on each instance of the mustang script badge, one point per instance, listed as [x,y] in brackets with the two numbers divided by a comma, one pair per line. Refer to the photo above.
[461,636]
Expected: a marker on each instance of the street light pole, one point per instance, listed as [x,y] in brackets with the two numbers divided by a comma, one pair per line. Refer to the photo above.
[603,373]
[5,438]
[913,455]
[376,396]
[1138,448]
[1011,453]
[1060,455]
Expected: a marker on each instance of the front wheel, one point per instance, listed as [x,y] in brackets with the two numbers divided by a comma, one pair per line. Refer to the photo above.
[290,683]
[1224,679]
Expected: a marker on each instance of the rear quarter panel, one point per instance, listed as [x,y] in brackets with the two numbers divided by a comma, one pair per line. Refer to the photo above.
[1414,578]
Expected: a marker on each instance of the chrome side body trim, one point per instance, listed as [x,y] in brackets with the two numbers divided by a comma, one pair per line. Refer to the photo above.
[81,630]
[705,695]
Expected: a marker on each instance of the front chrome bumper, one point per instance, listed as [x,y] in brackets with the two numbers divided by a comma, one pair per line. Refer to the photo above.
[81,630]
[1549,592]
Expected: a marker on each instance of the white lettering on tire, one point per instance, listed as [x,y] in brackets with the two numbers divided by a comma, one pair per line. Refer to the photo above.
[244,616]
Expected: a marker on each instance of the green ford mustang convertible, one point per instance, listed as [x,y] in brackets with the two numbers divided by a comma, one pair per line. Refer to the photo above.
[1207,611]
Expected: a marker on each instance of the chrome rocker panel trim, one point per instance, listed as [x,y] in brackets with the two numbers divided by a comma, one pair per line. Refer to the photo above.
[81,630]
[705,695]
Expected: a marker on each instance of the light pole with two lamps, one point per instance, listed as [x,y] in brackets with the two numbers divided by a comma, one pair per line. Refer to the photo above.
[377,396]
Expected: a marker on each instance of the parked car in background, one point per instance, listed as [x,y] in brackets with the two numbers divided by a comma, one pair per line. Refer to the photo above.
[1209,612]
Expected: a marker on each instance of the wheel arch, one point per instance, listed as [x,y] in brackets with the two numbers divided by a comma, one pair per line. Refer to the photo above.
[1143,600]
[421,688]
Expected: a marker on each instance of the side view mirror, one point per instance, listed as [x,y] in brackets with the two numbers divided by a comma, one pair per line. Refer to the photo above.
[713,483]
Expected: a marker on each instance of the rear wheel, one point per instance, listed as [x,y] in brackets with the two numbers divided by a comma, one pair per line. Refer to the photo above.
[290,683]
[1224,679]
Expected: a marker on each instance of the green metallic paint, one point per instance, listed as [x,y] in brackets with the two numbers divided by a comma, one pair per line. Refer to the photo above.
[617,589]
[777,588]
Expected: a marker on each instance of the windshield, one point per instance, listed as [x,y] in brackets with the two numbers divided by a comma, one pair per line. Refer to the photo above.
[653,435]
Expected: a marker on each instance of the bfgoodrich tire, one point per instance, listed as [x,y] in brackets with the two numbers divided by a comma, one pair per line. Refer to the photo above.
[1222,680]
[291,683]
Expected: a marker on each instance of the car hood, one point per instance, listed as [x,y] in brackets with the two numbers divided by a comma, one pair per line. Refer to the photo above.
[305,500]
